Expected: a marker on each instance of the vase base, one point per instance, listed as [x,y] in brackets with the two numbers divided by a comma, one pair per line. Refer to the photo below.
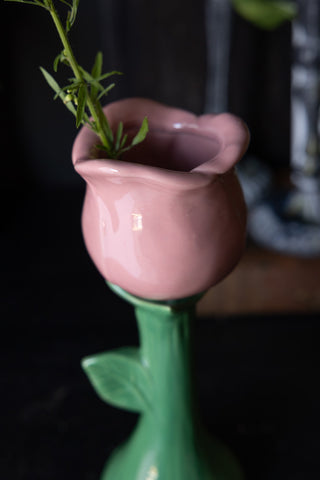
[220,464]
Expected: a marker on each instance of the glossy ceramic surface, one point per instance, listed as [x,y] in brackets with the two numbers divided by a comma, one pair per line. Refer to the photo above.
[168,220]
[169,442]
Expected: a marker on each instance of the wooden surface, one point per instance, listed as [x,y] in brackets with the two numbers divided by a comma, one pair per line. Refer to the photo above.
[266,282]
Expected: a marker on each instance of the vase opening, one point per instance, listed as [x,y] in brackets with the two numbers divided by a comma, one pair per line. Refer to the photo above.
[173,150]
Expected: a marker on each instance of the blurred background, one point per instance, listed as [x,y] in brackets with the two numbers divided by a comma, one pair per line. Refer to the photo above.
[257,335]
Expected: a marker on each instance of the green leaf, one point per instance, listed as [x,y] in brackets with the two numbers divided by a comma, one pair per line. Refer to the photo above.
[109,74]
[28,2]
[95,82]
[106,90]
[120,378]
[104,123]
[74,11]
[68,23]
[51,81]
[266,14]
[66,3]
[73,87]
[123,141]
[90,79]
[71,13]
[97,66]
[118,136]
[56,62]
[141,135]
[59,92]
[82,100]
[95,73]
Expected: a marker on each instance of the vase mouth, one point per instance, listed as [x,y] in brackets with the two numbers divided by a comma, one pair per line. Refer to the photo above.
[175,149]
[179,145]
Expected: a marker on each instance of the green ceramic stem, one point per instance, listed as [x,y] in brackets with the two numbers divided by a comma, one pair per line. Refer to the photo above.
[168,442]
[165,348]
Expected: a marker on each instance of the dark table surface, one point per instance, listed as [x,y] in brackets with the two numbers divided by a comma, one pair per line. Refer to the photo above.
[257,377]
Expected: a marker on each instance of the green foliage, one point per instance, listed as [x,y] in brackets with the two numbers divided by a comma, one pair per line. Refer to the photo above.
[83,94]
[72,13]
[120,379]
[59,92]
[266,14]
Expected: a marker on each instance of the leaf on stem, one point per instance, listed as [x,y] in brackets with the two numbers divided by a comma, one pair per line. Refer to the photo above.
[109,74]
[141,135]
[123,141]
[106,90]
[72,13]
[56,62]
[38,3]
[104,125]
[97,66]
[118,136]
[59,92]
[120,378]
[95,73]
[66,3]
[82,100]
[51,81]
[94,82]
[60,58]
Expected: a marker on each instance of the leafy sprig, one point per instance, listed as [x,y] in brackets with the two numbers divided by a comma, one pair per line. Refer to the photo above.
[85,89]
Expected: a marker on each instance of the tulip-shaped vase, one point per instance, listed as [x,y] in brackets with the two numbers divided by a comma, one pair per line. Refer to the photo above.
[162,225]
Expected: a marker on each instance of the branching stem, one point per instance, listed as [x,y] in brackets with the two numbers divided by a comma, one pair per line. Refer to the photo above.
[76,70]
[85,91]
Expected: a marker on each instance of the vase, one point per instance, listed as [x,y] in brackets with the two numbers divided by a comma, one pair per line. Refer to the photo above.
[169,220]
[162,225]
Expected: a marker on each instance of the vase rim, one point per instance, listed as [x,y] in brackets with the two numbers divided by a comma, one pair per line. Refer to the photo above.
[227,130]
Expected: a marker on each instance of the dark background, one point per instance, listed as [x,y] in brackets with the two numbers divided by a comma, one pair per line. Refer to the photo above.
[257,376]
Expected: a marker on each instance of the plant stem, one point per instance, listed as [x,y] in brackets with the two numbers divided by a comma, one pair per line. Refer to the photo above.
[107,142]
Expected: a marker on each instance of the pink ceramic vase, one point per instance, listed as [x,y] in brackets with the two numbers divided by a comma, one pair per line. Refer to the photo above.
[168,221]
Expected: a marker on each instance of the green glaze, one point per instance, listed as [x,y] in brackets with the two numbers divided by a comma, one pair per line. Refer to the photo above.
[168,442]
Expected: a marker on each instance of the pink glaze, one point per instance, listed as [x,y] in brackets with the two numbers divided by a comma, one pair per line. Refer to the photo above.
[169,220]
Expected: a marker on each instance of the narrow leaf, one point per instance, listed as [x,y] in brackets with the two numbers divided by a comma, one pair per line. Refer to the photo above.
[118,136]
[123,141]
[74,11]
[109,74]
[86,75]
[66,3]
[95,73]
[82,99]
[56,62]
[105,124]
[28,2]
[51,81]
[120,378]
[141,135]
[68,23]
[72,87]
[97,66]
[59,91]
[106,90]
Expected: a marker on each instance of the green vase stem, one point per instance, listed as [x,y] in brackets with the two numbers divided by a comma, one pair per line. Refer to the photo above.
[168,442]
